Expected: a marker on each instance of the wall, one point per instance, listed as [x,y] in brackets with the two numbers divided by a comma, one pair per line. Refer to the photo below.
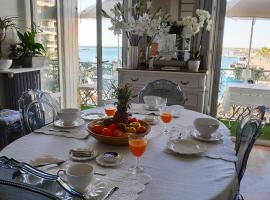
[11,8]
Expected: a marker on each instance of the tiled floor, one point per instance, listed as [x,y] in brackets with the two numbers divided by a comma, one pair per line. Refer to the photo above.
[256,182]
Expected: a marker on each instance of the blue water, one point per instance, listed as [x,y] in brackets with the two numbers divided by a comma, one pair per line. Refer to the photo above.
[89,54]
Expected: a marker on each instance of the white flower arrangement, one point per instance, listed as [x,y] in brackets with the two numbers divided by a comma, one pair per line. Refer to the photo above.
[145,21]
[195,24]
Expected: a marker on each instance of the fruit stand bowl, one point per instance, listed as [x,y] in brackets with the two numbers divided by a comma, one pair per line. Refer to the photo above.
[121,138]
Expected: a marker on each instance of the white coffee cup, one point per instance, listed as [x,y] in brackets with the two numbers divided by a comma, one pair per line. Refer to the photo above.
[69,115]
[78,176]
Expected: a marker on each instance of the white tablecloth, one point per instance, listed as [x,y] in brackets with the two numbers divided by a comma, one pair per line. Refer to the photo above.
[246,95]
[174,177]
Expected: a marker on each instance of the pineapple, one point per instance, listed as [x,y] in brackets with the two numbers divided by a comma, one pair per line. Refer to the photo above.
[123,94]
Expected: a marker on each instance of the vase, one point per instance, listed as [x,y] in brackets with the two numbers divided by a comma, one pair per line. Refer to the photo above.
[5,64]
[193,65]
[133,57]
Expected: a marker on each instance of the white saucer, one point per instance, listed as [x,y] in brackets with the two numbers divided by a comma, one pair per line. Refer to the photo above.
[77,158]
[187,147]
[92,116]
[103,163]
[215,137]
[146,107]
[60,123]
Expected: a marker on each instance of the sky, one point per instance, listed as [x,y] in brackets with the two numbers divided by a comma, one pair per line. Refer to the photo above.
[236,32]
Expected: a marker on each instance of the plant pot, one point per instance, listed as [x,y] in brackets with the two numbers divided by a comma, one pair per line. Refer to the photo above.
[32,62]
[193,65]
[5,64]
[133,57]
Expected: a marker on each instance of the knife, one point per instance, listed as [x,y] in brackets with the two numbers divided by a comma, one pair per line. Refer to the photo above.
[110,193]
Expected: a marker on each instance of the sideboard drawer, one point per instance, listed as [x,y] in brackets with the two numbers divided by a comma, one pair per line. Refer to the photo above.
[188,82]
[192,100]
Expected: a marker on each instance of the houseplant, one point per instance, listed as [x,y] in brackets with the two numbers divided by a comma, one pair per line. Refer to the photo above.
[145,21]
[202,20]
[5,24]
[31,52]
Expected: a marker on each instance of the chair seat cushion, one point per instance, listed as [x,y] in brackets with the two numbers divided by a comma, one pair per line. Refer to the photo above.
[9,117]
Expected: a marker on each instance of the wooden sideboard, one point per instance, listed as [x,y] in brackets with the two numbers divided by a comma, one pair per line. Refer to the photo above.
[192,84]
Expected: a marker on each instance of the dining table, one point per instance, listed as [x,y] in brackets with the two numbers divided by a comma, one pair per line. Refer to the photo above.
[173,176]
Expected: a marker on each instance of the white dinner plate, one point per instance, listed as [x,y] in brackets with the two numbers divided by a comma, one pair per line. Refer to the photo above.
[92,116]
[103,163]
[187,147]
[215,137]
[60,124]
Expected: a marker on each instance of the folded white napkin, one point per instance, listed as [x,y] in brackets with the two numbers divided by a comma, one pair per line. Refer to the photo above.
[76,132]
[215,150]
[45,160]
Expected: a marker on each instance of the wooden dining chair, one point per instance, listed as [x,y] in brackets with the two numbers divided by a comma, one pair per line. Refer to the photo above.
[166,89]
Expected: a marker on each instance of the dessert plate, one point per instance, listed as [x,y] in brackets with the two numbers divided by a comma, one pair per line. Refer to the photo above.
[187,147]
[60,124]
[92,116]
[215,137]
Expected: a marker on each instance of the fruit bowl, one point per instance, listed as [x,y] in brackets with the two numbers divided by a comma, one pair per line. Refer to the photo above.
[114,140]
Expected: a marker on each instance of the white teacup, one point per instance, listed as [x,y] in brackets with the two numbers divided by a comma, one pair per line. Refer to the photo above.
[206,126]
[69,115]
[78,176]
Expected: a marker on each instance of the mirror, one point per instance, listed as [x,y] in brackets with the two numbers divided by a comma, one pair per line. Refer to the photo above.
[176,45]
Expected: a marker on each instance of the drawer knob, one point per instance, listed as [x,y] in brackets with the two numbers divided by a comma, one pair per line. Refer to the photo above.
[134,79]
[184,83]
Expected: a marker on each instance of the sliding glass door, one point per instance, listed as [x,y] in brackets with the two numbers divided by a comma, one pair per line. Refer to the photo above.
[100,53]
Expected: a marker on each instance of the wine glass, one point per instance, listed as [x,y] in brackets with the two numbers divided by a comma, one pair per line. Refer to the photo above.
[109,109]
[166,116]
[161,103]
[137,145]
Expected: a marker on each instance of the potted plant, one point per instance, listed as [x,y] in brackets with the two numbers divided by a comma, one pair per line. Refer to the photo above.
[202,20]
[5,24]
[31,52]
[194,61]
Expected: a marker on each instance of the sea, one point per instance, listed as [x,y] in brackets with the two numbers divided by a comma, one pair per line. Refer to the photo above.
[88,54]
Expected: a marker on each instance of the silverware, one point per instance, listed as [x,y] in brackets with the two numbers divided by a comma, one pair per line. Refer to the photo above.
[99,174]
[60,131]
[49,165]
[110,193]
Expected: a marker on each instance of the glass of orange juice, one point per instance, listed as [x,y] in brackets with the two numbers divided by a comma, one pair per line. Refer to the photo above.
[137,145]
[109,110]
[166,116]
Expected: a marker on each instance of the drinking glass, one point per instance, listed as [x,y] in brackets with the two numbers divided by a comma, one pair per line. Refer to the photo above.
[166,117]
[109,109]
[161,103]
[137,145]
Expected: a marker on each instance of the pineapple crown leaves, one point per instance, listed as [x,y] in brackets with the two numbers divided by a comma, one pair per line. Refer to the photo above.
[123,94]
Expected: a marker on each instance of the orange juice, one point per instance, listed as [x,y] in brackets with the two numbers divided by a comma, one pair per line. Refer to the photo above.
[110,111]
[137,146]
[166,117]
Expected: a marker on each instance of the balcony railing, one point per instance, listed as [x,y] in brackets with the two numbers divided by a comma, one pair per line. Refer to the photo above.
[233,75]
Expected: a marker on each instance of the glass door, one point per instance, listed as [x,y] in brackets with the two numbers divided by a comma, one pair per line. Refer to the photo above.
[45,15]
[100,53]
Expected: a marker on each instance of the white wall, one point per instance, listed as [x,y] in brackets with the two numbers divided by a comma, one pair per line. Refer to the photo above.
[11,8]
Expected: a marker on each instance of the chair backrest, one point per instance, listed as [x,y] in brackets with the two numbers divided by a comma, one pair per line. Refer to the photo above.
[166,89]
[245,139]
[39,114]
[30,97]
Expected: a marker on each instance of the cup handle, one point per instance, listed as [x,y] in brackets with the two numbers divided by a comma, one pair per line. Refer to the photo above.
[62,174]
